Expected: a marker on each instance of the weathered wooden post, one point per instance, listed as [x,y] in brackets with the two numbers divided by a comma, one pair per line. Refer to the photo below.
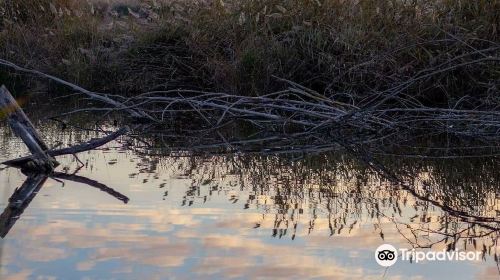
[24,129]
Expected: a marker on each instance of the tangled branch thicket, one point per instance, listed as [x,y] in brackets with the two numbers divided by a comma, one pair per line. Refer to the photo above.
[301,112]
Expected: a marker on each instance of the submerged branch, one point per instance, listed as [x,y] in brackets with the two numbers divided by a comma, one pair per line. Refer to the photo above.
[86,146]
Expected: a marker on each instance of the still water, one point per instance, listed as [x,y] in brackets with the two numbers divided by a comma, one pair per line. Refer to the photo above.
[129,215]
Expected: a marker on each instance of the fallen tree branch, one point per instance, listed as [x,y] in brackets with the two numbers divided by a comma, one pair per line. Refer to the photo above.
[92,144]
[299,109]
[23,128]
[93,95]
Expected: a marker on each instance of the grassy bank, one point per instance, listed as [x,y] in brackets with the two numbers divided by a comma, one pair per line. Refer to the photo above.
[340,48]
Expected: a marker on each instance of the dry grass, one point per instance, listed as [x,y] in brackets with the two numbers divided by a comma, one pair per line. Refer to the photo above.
[344,49]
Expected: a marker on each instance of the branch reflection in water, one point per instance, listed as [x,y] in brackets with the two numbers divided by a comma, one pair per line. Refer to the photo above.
[22,196]
[251,204]
[440,204]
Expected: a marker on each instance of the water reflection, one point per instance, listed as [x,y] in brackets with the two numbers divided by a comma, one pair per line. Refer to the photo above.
[23,195]
[338,193]
[19,200]
[244,215]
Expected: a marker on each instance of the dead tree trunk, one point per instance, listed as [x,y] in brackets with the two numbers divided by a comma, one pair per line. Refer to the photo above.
[41,159]
[24,129]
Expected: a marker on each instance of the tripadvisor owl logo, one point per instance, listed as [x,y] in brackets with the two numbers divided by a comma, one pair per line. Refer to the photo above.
[386,255]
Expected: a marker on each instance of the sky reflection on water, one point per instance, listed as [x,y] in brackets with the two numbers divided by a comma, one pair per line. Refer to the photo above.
[233,217]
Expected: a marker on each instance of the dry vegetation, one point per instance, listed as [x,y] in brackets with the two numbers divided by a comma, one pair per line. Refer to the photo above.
[237,46]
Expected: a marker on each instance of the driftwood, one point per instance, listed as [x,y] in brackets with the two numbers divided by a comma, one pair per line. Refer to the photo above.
[22,196]
[42,159]
[24,129]
[92,144]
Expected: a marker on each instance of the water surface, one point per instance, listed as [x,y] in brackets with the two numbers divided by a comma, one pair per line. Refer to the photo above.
[243,216]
